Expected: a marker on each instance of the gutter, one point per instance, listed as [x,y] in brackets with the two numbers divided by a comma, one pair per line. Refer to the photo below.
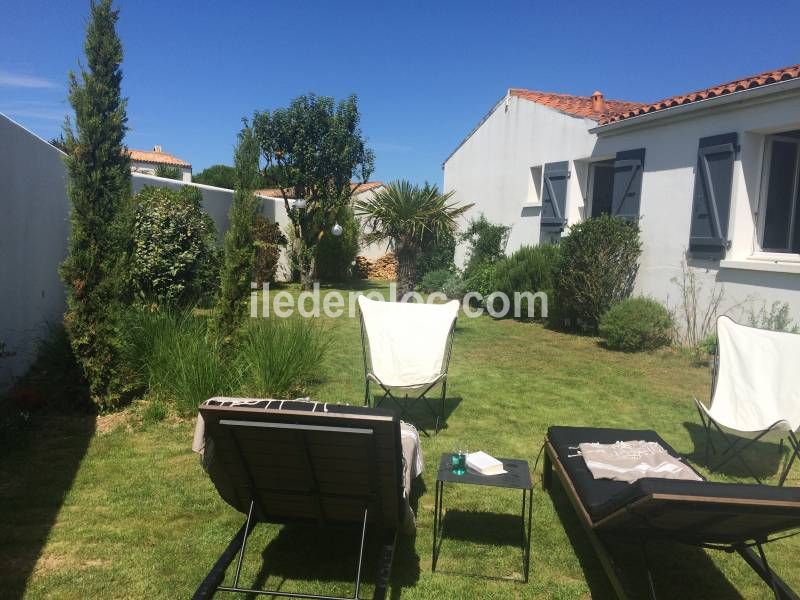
[763,93]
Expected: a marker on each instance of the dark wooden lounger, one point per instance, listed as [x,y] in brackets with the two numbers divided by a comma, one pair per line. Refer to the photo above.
[725,516]
[325,468]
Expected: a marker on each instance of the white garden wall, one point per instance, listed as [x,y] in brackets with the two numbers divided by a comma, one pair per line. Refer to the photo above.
[34,229]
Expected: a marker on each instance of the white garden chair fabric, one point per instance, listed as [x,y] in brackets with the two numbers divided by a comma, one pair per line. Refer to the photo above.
[407,349]
[756,390]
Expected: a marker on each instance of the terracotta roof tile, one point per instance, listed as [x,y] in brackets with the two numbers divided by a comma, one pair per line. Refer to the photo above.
[159,158]
[576,106]
[739,85]
[357,188]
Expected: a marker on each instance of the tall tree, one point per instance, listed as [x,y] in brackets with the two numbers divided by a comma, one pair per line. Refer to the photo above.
[99,185]
[237,270]
[314,149]
[408,216]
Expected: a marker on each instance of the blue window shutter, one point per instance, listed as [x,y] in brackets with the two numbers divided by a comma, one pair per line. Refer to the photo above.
[554,196]
[628,172]
[711,204]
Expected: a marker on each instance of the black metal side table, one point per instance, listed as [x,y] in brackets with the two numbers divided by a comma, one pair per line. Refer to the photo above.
[518,477]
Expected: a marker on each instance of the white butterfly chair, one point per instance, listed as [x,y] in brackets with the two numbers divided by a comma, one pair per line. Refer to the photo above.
[407,349]
[755,391]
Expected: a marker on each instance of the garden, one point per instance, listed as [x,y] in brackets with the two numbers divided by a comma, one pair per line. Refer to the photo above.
[100,492]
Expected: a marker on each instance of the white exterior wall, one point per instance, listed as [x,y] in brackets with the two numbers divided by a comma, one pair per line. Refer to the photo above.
[666,202]
[492,166]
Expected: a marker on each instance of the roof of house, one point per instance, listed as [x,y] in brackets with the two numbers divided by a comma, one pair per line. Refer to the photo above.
[158,158]
[357,188]
[739,85]
[575,106]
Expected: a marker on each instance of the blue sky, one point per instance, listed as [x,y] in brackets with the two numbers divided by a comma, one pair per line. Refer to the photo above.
[424,72]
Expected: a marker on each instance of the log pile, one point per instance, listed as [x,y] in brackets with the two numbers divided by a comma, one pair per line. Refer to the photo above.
[384,267]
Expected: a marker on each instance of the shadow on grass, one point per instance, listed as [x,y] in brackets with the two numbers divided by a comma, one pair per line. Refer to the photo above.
[490,529]
[764,458]
[310,555]
[679,571]
[418,412]
[36,473]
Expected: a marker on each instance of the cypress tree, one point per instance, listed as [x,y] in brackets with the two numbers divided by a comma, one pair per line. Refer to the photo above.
[237,270]
[99,186]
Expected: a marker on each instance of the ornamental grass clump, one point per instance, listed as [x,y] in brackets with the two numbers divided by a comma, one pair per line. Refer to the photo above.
[278,358]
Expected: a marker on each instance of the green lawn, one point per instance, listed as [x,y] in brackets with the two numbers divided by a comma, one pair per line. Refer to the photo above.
[117,508]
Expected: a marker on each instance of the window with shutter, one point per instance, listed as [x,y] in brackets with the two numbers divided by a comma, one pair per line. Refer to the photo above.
[628,172]
[713,186]
[554,196]
[781,219]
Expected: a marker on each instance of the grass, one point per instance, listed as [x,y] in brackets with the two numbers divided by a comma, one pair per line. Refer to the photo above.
[116,507]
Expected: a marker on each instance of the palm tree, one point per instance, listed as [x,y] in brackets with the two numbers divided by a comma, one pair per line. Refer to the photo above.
[408,215]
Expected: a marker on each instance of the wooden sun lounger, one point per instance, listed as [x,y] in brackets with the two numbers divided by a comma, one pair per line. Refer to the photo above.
[325,468]
[725,516]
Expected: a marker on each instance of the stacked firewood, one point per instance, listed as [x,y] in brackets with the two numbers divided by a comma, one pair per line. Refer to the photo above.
[363,265]
[384,267]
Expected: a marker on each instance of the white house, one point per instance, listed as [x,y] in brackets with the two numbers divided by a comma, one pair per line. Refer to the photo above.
[712,176]
[147,162]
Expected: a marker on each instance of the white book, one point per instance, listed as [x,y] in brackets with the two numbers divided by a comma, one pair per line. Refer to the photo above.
[484,464]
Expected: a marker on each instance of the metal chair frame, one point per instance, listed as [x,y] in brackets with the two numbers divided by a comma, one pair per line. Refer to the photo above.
[736,445]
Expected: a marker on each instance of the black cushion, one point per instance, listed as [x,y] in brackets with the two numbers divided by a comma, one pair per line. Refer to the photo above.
[601,497]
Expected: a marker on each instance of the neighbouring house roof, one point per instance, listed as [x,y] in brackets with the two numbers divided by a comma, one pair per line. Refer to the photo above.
[357,188]
[157,157]
[575,106]
[739,85]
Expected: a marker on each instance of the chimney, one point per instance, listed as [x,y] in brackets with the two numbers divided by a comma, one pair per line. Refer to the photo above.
[598,103]
[158,148]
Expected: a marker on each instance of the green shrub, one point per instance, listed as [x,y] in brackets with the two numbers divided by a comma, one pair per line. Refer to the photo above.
[486,242]
[636,324]
[530,269]
[455,287]
[168,172]
[777,318]
[176,259]
[279,357]
[173,354]
[481,279]
[268,240]
[436,254]
[434,281]
[597,268]
[54,380]
[336,254]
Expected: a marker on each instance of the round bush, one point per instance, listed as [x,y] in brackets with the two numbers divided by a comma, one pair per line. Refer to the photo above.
[434,281]
[454,287]
[481,279]
[597,268]
[176,258]
[530,269]
[636,324]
